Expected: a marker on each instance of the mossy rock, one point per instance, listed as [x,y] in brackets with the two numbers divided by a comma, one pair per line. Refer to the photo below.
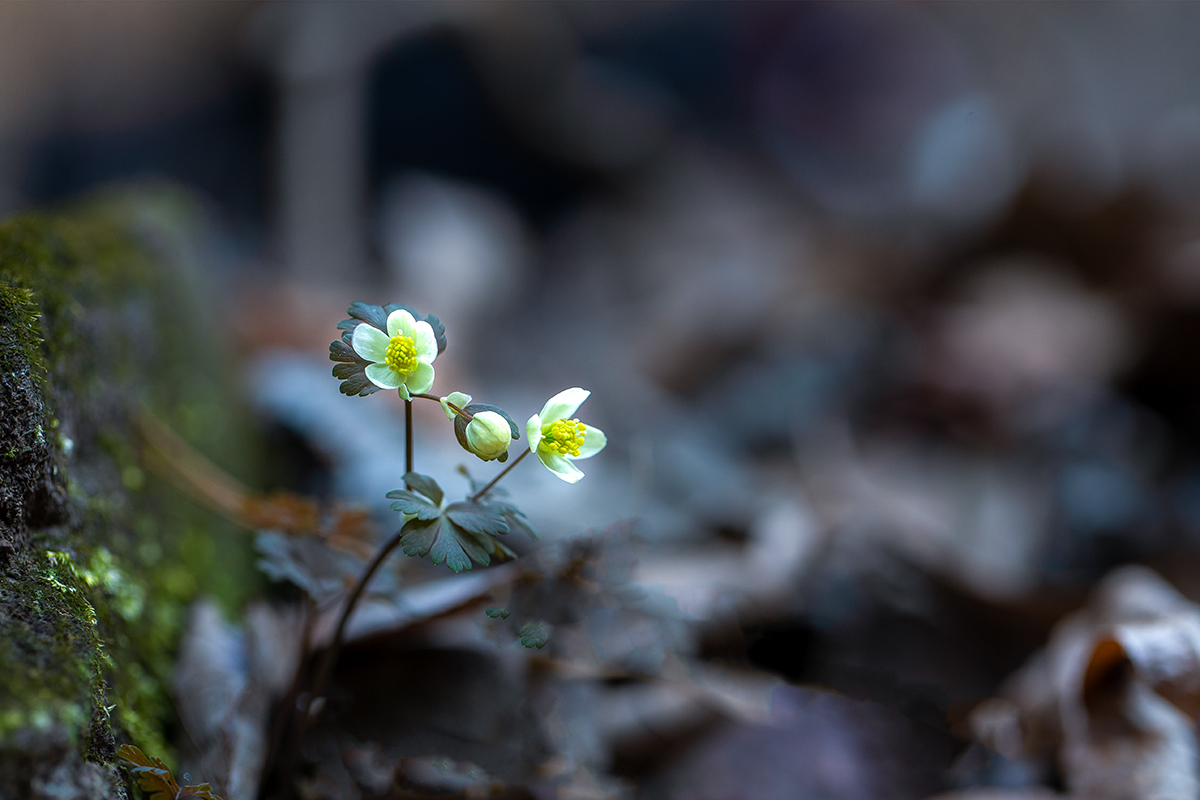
[99,322]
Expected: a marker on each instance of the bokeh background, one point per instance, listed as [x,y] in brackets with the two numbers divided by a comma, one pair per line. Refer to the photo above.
[891,312]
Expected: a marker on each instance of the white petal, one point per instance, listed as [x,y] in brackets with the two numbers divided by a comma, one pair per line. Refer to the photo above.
[563,404]
[561,467]
[593,442]
[533,431]
[384,376]
[400,321]
[370,343]
[420,380]
[424,340]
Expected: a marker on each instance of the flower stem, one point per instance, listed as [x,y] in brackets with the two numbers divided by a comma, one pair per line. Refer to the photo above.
[408,436]
[331,656]
[496,479]
[464,414]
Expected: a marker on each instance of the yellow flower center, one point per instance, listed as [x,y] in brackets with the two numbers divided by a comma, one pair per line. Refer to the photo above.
[401,354]
[563,437]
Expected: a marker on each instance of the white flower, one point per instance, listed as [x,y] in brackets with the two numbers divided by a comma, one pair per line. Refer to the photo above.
[403,357]
[557,441]
[488,435]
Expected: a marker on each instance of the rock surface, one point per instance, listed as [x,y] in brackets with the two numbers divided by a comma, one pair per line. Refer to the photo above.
[97,559]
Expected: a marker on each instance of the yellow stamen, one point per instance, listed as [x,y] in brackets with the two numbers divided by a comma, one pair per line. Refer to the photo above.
[563,437]
[401,354]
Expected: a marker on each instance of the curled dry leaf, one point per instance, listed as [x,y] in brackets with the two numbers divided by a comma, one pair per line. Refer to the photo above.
[1113,698]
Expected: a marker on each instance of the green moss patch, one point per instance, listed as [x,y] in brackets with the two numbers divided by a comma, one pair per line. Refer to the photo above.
[98,560]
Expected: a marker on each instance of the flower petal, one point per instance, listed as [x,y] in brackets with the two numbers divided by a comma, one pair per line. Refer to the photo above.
[563,404]
[561,467]
[424,341]
[370,343]
[533,432]
[400,321]
[420,380]
[384,376]
[593,442]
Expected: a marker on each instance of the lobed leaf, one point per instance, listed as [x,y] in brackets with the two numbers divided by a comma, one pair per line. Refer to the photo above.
[411,503]
[454,550]
[513,516]
[497,612]
[447,542]
[365,312]
[534,634]
[350,370]
[419,535]
[476,518]
[425,485]
[152,775]
[157,781]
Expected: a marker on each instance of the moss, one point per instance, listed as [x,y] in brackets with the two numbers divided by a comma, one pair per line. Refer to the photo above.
[98,560]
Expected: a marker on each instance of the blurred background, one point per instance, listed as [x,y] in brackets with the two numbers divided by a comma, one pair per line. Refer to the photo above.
[891,312]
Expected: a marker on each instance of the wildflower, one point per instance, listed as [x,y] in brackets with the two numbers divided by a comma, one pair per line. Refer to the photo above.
[400,359]
[488,435]
[350,367]
[557,440]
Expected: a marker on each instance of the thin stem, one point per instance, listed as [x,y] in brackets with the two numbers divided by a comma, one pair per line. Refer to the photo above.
[462,413]
[496,479]
[331,657]
[408,438]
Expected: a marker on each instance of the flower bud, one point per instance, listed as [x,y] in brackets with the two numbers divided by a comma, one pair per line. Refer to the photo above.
[488,435]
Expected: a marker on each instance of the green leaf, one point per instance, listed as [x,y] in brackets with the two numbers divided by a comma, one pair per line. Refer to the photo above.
[377,315]
[449,548]
[425,485]
[476,518]
[365,312]
[419,535]
[513,516]
[534,634]
[411,503]
[474,547]
[496,611]
[445,541]
[350,370]
[342,351]
[358,385]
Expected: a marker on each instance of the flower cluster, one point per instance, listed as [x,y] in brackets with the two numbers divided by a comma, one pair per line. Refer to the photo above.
[394,347]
